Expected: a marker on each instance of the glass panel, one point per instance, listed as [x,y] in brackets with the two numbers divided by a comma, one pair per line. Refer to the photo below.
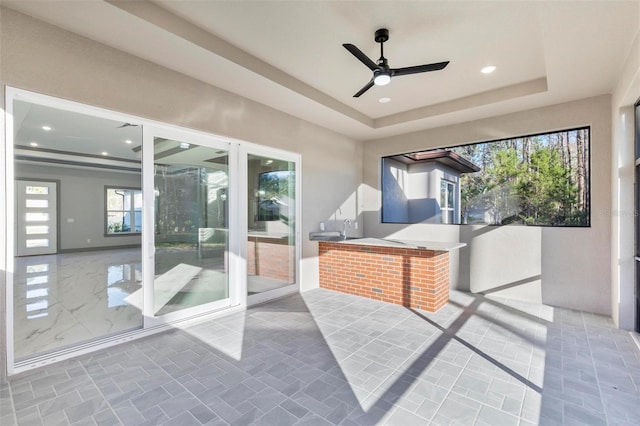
[37,204]
[51,311]
[43,242]
[271,204]
[36,217]
[450,196]
[536,180]
[38,292]
[191,233]
[115,199]
[116,223]
[37,229]
[37,190]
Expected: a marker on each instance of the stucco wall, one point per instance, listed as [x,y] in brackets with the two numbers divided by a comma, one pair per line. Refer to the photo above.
[568,267]
[624,212]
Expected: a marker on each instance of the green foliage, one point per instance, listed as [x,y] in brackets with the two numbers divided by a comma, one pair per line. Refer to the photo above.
[532,181]
[547,195]
[117,227]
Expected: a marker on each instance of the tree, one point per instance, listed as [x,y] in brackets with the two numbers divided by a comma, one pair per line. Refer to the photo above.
[546,193]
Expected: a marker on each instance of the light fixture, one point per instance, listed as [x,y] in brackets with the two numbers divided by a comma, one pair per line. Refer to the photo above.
[184,145]
[128,141]
[33,143]
[46,128]
[104,153]
[488,69]
[384,100]
[381,78]
[268,162]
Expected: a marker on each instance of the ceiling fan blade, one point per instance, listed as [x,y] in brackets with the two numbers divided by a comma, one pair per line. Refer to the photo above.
[368,86]
[361,56]
[419,68]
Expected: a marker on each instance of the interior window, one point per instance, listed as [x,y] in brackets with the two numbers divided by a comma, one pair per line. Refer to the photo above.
[124,211]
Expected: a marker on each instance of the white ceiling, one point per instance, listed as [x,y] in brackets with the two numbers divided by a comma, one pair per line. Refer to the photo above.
[289,54]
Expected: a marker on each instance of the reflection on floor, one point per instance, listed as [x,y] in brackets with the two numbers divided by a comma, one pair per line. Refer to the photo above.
[327,358]
[64,299]
[187,275]
[258,284]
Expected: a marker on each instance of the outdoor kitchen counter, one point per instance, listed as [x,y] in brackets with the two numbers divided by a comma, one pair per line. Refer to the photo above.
[404,244]
[404,272]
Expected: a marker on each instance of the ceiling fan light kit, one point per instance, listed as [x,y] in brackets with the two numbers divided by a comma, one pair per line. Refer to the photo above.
[382,73]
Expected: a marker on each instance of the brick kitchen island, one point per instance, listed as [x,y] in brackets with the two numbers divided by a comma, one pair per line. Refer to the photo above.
[409,273]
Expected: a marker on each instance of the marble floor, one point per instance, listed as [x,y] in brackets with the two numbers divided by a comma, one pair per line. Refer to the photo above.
[327,358]
[65,299]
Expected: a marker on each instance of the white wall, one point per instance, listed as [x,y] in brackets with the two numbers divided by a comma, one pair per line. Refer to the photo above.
[626,93]
[567,267]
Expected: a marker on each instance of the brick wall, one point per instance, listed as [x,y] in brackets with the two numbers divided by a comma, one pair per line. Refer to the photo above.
[272,258]
[414,278]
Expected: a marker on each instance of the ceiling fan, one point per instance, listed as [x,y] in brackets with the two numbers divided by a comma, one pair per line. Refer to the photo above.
[382,73]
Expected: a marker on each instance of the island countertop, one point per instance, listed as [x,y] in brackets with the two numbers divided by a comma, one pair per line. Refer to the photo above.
[405,244]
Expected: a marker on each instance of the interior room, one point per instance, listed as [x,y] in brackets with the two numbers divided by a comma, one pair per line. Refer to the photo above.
[280,212]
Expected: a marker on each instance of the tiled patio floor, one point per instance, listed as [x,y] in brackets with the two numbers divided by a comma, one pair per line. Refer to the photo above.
[324,358]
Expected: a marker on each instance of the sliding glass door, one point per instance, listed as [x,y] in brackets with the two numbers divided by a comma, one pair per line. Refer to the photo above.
[118,224]
[187,178]
[272,225]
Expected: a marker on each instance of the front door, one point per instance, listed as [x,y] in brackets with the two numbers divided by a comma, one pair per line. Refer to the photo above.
[36,218]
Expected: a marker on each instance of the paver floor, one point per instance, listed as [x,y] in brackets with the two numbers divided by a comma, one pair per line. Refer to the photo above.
[326,358]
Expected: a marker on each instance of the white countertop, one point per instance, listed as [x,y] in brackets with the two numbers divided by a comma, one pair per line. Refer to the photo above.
[406,244]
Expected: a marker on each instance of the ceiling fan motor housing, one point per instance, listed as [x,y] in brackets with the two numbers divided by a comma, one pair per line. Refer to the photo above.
[381,35]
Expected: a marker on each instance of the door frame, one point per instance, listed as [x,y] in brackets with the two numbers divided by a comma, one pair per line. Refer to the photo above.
[636,114]
[245,150]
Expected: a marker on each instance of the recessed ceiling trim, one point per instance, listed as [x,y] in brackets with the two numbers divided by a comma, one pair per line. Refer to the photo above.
[472,101]
[182,28]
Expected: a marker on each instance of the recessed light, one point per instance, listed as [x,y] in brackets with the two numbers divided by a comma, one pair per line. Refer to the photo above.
[184,145]
[384,100]
[104,153]
[46,128]
[128,141]
[33,143]
[488,69]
